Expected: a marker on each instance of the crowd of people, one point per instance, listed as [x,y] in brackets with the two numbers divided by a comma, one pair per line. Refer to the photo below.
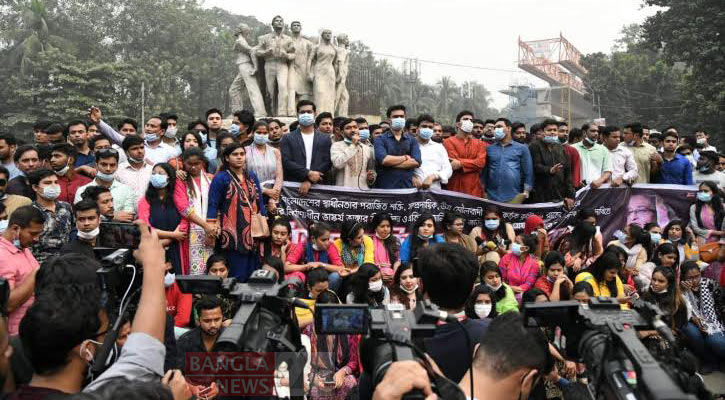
[199,191]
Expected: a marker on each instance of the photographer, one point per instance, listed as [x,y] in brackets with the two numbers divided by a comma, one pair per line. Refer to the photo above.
[88,221]
[448,273]
[67,325]
[507,365]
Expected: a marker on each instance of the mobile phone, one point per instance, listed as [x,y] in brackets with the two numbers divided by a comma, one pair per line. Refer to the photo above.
[117,235]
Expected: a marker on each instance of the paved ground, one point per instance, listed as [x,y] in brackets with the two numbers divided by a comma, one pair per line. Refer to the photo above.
[715,382]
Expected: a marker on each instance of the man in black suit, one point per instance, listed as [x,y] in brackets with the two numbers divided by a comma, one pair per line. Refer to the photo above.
[305,151]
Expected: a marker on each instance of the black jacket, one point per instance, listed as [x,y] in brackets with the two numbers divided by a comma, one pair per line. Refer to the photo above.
[294,159]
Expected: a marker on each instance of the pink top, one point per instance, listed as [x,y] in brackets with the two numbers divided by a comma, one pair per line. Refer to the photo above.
[181,201]
[708,222]
[15,266]
[516,273]
[297,254]
[381,255]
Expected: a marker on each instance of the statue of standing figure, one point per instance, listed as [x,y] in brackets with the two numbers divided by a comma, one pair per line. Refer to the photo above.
[323,65]
[342,97]
[247,69]
[277,50]
[299,86]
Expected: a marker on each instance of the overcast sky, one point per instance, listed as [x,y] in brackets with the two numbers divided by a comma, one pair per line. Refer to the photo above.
[480,33]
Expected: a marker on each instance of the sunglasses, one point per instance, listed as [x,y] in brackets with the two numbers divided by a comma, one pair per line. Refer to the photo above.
[3,182]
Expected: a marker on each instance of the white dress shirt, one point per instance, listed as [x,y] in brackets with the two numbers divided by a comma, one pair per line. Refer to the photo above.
[434,160]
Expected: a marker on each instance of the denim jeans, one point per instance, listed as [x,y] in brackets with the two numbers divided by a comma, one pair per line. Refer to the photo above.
[709,348]
[335,280]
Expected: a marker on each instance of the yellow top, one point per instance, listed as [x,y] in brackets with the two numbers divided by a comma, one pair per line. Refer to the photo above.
[601,288]
[368,257]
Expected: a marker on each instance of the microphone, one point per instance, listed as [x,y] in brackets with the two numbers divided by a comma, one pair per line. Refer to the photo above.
[479,241]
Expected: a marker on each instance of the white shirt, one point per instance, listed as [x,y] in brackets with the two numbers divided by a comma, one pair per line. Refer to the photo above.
[717,177]
[160,154]
[623,164]
[309,139]
[434,160]
[124,198]
[138,179]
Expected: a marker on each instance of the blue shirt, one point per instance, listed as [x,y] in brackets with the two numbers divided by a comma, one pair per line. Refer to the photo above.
[83,159]
[386,145]
[677,171]
[12,169]
[405,255]
[509,171]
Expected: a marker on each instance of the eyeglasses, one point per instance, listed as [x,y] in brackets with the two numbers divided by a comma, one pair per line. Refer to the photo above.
[3,182]
[106,152]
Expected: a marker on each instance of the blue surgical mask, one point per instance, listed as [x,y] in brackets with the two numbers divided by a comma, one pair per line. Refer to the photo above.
[151,137]
[159,181]
[234,130]
[364,134]
[347,141]
[492,224]
[397,124]
[51,192]
[105,177]
[516,248]
[704,197]
[655,237]
[421,237]
[3,225]
[425,133]
[306,119]
[498,134]
[621,236]
[551,140]
[260,138]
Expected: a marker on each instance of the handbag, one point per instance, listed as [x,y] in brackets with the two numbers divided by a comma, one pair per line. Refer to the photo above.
[709,252]
[258,223]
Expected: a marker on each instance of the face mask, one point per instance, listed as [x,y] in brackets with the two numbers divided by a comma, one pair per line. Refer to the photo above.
[482,310]
[134,160]
[112,357]
[675,238]
[631,143]
[203,136]
[588,229]
[260,139]
[3,225]
[170,132]
[397,124]
[492,224]
[376,286]
[563,139]
[551,139]
[382,238]
[655,237]
[495,288]
[234,130]
[306,119]
[364,134]
[159,181]
[551,279]
[105,177]
[663,291]
[621,236]
[516,248]
[489,139]
[409,291]
[704,168]
[169,279]
[467,125]
[589,141]
[316,247]
[89,235]
[347,141]
[701,141]
[498,134]
[425,133]
[63,171]
[51,192]
[422,237]
[704,197]
[151,137]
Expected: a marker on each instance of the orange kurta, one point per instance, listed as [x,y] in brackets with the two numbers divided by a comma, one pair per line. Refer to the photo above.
[472,155]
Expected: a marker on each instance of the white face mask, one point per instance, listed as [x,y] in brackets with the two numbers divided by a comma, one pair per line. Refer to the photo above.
[375,286]
[169,279]
[495,288]
[409,291]
[482,310]
[89,235]
[467,125]
[3,225]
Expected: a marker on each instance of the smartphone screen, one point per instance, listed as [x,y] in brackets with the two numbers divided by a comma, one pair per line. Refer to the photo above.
[116,235]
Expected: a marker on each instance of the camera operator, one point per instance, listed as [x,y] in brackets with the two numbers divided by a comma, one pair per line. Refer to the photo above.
[67,325]
[506,366]
[448,272]
[88,220]
[17,263]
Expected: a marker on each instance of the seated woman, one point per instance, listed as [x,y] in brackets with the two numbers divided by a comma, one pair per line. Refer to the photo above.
[603,276]
[274,265]
[386,246]
[626,274]
[704,331]
[355,247]
[405,287]
[666,255]
[664,292]
[482,303]
[280,243]
[680,235]
[535,224]
[634,241]
[455,226]
[495,236]
[707,220]
[655,237]
[421,235]
[178,304]
[502,293]
[554,283]
[334,359]
[519,268]
[317,251]
[367,287]
[581,244]
[582,292]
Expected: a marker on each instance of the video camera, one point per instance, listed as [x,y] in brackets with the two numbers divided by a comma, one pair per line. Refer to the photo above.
[390,333]
[605,338]
[264,322]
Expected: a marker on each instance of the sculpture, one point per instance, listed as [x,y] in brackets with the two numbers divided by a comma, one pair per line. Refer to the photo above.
[299,86]
[277,50]
[342,97]
[247,68]
[322,65]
